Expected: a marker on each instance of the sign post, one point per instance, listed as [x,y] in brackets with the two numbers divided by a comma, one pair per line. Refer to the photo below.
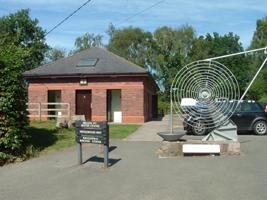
[92,132]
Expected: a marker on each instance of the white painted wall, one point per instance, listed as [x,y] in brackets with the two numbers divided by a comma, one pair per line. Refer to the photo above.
[58,100]
[116,105]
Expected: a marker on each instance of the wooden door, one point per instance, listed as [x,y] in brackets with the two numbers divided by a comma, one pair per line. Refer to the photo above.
[83,103]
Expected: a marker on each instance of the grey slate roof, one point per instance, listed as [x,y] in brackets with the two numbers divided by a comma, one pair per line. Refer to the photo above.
[108,63]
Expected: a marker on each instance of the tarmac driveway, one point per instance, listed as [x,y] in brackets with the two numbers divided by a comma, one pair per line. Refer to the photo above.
[137,172]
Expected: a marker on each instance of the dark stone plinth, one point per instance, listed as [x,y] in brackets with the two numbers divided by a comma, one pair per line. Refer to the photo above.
[175,148]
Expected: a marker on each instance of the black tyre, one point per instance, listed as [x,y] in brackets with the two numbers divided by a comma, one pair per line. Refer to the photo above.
[199,128]
[260,128]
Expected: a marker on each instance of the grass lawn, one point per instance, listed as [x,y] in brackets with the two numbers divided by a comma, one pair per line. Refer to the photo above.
[46,138]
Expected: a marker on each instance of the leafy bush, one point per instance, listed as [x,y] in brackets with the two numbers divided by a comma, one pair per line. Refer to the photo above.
[263,98]
[22,47]
[13,98]
[163,105]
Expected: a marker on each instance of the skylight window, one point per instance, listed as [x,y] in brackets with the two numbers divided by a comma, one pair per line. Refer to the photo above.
[87,63]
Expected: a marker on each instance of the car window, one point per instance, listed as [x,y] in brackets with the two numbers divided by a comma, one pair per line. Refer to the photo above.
[238,108]
[246,107]
[250,107]
[256,106]
[229,106]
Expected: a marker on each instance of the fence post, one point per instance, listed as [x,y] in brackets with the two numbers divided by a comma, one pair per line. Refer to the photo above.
[39,111]
[69,111]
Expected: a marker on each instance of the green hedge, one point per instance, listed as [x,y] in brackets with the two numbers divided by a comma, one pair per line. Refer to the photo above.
[163,105]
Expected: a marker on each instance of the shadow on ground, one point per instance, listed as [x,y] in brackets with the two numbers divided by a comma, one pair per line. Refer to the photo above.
[41,138]
[160,117]
[101,159]
[111,162]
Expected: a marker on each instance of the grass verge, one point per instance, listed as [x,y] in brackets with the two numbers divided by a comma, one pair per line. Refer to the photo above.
[46,138]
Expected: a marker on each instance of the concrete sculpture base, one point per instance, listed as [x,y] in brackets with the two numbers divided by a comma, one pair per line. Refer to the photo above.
[198,148]
[174,136]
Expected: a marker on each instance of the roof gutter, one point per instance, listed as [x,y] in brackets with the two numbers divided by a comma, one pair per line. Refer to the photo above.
[25,76]
[113,75]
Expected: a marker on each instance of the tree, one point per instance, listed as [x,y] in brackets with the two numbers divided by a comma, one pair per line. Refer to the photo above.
[162,53]
[260,35]
[200,49]
[258,90]
[173,49]
[111,31]
[133,44]
[222,45]
[27,35]
[87,41]
[13,98]
[22,48]
[54,54]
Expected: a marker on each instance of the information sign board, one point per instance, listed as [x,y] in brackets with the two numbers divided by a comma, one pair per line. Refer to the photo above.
[82,131]
[90,124]
[92,132]
[95,140]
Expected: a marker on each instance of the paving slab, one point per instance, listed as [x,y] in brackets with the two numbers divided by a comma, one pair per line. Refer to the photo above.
[148,131]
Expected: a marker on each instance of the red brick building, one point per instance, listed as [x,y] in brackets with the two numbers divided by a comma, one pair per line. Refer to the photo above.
[97,84]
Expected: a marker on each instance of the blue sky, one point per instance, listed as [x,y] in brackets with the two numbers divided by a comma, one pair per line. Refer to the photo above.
[206,16]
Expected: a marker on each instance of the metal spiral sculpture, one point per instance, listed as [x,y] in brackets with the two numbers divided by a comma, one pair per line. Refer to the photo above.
[215,93]
[211,86]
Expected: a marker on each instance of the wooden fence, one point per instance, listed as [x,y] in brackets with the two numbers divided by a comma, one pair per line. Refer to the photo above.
[40,109]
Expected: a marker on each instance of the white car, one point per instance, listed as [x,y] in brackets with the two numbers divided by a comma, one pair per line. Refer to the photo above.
[188,104]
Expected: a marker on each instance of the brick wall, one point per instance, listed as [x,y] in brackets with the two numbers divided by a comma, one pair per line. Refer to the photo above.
[99,104]
[133,105]
[132,88]
[68,95]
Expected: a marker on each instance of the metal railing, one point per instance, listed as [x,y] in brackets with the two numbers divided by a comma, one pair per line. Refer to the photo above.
[40,109]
